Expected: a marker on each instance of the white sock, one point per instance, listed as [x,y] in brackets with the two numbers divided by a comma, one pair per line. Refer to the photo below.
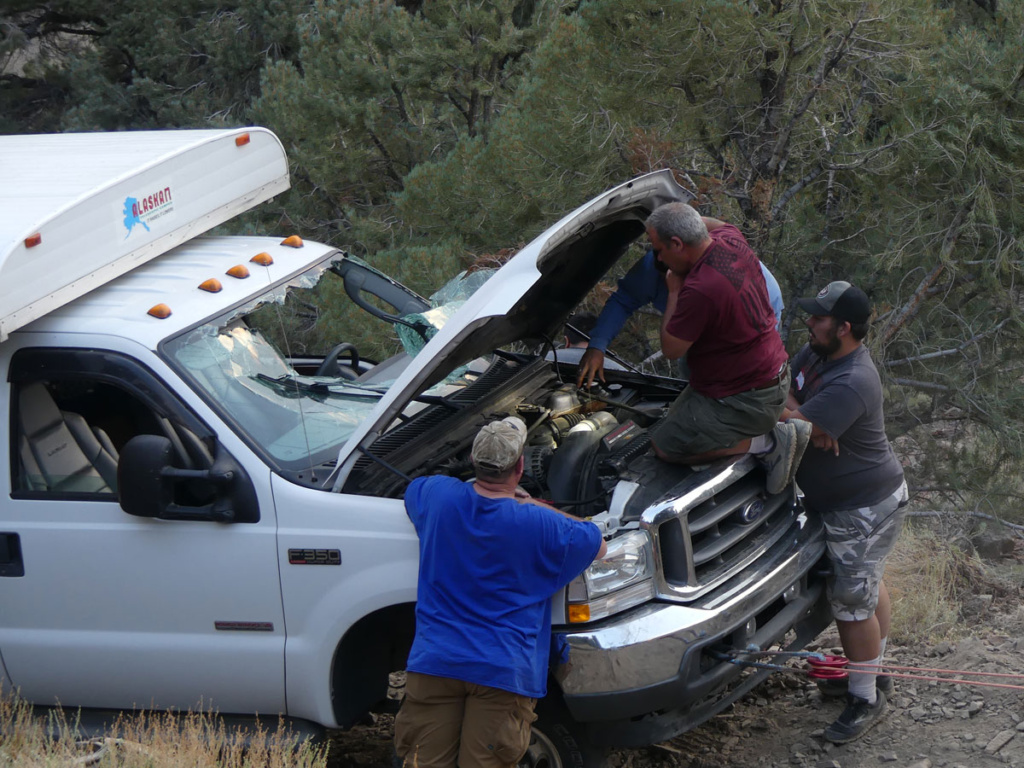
[862,684]
[761,444]
[881,650]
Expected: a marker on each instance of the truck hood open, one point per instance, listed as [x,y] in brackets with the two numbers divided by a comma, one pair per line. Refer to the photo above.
[530,297]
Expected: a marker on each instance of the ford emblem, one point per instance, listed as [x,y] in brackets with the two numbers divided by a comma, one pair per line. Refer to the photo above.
[752,512]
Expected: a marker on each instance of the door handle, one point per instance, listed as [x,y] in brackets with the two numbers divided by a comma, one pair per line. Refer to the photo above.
[11,563]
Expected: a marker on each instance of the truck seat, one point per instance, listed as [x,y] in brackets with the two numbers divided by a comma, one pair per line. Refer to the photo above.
[59,451]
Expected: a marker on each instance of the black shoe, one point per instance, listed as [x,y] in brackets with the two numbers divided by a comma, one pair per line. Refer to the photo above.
[833,688]
[856,720]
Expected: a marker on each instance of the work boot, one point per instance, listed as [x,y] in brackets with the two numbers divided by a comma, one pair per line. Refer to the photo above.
[857,719]
[834,687]
[778,462]
[803,437]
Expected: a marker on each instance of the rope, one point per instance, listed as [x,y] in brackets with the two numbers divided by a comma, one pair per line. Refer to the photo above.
[838,663]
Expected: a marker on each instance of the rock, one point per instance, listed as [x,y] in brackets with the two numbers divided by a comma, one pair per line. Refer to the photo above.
[918,713]
[993,544]
[976,605]
[888,757]
[1000,740]
[924,763]
[827,764]
[975,707]
[1020,725]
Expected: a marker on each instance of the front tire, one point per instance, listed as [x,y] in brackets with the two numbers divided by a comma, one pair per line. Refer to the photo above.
[558,741]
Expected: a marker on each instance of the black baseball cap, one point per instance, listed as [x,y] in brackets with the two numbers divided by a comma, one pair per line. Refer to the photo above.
[840,300]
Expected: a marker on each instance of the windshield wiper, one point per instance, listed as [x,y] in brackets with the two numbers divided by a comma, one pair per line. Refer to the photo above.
[292,387]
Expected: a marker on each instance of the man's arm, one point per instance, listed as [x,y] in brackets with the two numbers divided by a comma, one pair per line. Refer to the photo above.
[820,439]
[672,347]
[774,294]
[639,286]
[524,498]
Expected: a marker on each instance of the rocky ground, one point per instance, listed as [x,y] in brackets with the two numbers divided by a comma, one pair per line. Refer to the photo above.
[929,724]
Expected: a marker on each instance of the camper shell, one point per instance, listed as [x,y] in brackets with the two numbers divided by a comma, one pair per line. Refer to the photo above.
[201,495]
[118,201]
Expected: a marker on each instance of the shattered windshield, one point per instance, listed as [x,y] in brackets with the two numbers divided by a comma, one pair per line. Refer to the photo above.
[267,365]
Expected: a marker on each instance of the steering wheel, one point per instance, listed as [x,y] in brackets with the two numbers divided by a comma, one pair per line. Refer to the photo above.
[330,367]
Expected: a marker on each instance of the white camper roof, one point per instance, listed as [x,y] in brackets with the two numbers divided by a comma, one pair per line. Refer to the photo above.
[79,209]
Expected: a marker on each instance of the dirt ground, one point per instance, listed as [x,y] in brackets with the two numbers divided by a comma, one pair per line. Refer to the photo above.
[928,724]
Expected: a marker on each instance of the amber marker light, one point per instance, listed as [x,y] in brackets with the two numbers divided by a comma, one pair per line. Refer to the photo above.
[242,139]
[212,285]
[292,242]
[239,270]
[263,259]
[33,240]
[160,311]
[579,613]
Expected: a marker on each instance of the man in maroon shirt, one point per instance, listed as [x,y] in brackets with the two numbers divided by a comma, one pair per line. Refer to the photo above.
[718,315]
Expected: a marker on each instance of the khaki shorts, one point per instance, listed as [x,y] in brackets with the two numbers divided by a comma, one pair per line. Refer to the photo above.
[859,542]
[697,424]
[444,723]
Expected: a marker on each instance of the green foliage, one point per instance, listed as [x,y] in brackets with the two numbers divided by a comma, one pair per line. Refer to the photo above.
[116,64]
[951,261]
[378,90]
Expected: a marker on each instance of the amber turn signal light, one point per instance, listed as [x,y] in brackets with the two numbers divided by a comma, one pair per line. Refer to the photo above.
[159,311]
[212,285]
[292,242]
[239,270]
[242,139]
[579,613]
[263,259]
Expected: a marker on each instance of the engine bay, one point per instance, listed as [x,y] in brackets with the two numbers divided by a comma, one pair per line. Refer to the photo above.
[588,451]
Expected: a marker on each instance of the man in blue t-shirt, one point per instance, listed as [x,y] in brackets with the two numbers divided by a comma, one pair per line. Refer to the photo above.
[490,560]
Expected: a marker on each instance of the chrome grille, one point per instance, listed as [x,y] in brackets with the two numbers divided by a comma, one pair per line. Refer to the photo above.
[717,527]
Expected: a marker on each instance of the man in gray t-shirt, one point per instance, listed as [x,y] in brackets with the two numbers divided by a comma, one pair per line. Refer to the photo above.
[853,480]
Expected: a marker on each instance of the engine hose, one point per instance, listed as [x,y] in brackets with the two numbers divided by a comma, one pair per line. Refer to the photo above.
[579,503]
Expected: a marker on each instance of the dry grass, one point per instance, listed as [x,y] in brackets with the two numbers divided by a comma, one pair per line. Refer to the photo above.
[148,740]
[929,579]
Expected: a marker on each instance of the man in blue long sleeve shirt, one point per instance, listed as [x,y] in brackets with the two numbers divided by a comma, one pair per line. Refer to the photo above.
[643,284]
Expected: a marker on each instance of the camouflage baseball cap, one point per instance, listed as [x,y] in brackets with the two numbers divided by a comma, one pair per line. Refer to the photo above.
[498,445]
[840,300]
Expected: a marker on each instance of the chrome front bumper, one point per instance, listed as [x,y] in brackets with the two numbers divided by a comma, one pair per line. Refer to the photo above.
[649,659]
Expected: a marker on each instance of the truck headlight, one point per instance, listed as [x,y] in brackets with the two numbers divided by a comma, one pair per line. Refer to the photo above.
[622,579]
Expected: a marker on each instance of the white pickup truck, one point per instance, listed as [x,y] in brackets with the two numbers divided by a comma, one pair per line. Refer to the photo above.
[198,511]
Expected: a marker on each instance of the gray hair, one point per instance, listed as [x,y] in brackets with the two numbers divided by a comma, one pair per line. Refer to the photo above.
[678,220]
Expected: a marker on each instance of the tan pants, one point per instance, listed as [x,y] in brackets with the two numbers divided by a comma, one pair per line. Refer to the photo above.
[444,723]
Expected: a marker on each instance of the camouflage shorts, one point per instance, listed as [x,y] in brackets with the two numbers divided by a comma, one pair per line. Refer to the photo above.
[859,541]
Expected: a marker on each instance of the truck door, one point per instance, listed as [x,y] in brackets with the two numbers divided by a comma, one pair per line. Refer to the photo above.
[102,609]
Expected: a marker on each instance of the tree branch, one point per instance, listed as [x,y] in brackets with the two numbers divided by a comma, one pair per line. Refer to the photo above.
[828,63]
[910,309]
[947,352]
[927,385]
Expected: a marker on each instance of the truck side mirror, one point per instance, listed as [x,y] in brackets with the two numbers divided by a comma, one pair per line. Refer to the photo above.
[150,485]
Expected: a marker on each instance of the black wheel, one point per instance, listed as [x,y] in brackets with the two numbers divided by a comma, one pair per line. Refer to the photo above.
[330,366]
[558,741]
